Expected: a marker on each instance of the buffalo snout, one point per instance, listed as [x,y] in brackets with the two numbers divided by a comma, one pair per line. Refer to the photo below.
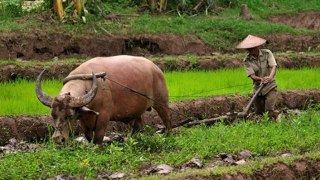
[58,137]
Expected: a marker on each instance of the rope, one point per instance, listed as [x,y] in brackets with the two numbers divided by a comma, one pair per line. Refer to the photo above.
[85,77]
[228,87]
[165,106]
[146,96]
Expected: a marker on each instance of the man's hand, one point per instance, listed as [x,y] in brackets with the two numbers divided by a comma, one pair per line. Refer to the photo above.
[266,79]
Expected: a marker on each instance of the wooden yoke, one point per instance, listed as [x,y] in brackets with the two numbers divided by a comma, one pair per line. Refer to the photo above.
[83,77]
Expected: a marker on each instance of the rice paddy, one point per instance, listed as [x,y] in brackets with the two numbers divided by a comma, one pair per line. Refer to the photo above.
[18,98]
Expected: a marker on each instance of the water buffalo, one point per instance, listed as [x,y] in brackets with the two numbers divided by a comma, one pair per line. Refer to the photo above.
[97,101]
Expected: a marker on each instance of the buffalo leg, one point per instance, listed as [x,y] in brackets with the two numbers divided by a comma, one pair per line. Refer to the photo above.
[163,112]
[98,136]
[100,129]
[88,134]
[137,125]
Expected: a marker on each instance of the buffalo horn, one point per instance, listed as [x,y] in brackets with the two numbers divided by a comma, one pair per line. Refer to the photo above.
[86,99]
[43,97]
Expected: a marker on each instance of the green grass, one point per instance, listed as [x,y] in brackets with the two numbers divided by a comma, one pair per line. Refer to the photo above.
[251,167]
[296,57]
[41,63]
[220,31]
[296,133]
[19,97]
[280,7]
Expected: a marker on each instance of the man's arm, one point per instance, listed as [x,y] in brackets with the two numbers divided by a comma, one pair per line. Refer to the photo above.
[255,77]
[269,78]
[266,79]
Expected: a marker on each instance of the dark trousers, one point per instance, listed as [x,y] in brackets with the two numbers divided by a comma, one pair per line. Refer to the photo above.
[266,103]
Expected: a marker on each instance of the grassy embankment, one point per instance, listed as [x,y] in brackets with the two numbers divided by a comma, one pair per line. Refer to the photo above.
[220,30]
[19,97]
[296,133]
[295,57]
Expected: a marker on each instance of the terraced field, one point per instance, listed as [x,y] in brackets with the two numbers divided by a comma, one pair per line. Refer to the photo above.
[205,79]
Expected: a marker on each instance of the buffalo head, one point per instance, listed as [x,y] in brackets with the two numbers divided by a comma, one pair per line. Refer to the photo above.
[64,108]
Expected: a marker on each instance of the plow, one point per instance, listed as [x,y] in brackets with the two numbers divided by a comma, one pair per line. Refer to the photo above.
[189,122]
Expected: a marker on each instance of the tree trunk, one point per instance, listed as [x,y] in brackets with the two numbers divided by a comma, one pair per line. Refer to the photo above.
[245,12]
[58,8]
[163,5]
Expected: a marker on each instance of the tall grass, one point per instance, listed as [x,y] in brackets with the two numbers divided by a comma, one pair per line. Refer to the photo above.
[19,97]
[296,134]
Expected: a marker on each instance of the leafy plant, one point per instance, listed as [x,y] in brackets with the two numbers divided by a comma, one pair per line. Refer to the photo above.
[11,8]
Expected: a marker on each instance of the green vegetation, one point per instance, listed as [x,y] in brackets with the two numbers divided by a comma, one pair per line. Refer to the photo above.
[295,133]
[219,29]
[41,63]
[20,97]
[219,25]
[296,57]
[249,168]
[181,85]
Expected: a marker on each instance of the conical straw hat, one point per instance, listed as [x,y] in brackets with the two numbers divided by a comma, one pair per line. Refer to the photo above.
[250,42]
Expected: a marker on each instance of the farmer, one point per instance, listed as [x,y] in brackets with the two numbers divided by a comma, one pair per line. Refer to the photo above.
[260,66]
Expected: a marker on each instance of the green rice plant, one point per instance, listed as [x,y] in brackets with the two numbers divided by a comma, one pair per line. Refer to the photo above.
[298,134]
[19,97]
[200,84]
[305,78]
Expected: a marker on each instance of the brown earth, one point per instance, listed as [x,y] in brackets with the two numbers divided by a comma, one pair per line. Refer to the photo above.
[307,20]
[36,127]
[41,45]
[300,169]
[61,70]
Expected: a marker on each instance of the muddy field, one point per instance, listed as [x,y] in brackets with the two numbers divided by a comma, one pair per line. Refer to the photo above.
[44,46]
[36,127]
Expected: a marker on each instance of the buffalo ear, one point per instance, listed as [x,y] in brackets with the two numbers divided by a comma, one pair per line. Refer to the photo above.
[86,112]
